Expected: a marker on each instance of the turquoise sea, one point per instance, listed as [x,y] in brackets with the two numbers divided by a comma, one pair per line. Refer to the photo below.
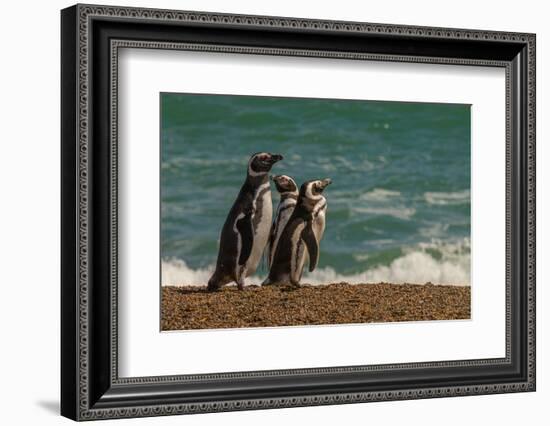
[398,208]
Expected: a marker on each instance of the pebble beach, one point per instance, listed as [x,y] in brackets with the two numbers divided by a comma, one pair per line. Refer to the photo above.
[193,307]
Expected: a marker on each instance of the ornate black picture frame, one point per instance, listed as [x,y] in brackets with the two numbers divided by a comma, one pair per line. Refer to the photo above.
[91,36]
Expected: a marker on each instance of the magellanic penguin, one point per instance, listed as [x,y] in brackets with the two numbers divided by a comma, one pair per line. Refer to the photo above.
[301,237]
[245,232]
[288,190]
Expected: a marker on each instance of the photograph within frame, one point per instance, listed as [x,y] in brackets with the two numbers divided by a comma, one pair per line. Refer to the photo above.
[400,213]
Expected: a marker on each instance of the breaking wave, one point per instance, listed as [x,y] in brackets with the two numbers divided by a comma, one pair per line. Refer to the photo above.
[404,213]
[379,194]
[434,262]
[447,198]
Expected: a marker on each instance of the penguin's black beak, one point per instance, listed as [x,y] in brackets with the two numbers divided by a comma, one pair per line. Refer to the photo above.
[274,158]
[325,182]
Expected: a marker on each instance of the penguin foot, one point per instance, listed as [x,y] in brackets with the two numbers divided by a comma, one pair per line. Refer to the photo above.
[212,289]
[213,285]
[278,284]
[267,281]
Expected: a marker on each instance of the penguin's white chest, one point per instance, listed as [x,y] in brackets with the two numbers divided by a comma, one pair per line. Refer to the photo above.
[319,224]
[319,213]
[263,213]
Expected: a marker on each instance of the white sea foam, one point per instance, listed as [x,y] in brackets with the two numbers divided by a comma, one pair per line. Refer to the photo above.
[361,257]
[436,262]
[379,194]
[418,265]
[176,272]
[413,268]
[404,213]
[447,198]
[436,230]
[381,202]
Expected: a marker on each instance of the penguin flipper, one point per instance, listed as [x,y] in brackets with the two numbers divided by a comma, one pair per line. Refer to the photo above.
[267,251]
[312,245]
[246,231]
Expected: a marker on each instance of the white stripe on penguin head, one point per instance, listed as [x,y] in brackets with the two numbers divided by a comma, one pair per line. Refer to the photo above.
[252,172]
[295,190]
[291,191]
[309,193]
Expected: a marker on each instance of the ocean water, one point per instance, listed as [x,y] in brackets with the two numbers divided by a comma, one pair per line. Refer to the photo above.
[398,207]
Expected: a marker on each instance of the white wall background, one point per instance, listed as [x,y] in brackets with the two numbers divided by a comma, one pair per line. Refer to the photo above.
[29,212]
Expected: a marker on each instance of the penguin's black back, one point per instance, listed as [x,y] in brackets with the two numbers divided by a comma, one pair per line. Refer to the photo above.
[227,253]
[283,251]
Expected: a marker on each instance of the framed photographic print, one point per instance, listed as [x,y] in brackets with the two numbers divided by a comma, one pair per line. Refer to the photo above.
[263,212]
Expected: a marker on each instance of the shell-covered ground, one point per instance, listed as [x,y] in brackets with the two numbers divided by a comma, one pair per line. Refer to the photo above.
[191,308]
